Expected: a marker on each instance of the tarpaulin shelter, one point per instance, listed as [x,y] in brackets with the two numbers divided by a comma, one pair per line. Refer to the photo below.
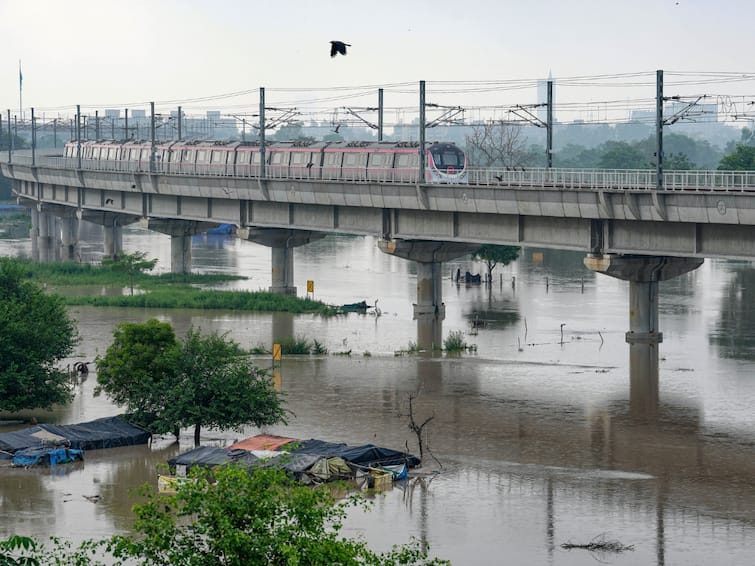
[211,456]
[107,432]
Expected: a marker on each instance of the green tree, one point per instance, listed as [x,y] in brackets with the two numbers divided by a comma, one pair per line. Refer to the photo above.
[622,155]
[132,264]
[216,386]
[250,517]
[138,369]
[201,381]
[741,159]
[492,255]
[35,334]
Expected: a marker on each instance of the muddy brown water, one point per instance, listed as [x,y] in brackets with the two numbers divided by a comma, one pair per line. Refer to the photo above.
[536,437]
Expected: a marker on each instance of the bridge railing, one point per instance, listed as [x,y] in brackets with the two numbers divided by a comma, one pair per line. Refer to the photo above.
[518,177]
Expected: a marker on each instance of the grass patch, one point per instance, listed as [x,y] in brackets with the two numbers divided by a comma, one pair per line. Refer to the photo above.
[455,343]
[295,345]
[318,349]
[167,291]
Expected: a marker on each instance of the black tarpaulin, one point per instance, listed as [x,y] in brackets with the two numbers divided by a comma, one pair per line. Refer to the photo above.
[213,456]
[107,432]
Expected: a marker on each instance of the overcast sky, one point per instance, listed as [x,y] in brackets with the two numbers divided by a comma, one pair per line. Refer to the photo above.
[103,53]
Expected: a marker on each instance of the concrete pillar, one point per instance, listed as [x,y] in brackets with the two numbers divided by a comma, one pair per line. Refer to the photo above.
[180,232]
[46,237]
[643,273]
[180,254]
[282,273]
[282,241]
[57,234]
[113,239]
[429,310]
[34,233]
[643,381]
[69,236]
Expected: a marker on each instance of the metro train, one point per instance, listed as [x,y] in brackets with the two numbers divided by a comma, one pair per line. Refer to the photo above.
[347,161]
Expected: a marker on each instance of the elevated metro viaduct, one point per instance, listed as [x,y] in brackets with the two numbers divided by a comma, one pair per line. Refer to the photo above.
[638,234]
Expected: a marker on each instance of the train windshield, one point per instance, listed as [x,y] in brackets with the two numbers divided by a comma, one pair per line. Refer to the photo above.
[448,156]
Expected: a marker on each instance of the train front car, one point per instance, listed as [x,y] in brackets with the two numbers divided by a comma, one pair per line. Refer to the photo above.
[446,163]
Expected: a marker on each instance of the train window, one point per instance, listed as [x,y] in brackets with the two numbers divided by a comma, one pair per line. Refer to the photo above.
[218,156]
[377,159]
[407,160]
[277,158]
[350,159]
[256,158]
[447,158]
[201,156]
[299,158]
[112,153]
[332,158]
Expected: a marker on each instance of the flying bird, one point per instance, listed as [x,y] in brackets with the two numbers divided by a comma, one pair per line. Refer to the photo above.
[338,127]
[499,178]
[338,47]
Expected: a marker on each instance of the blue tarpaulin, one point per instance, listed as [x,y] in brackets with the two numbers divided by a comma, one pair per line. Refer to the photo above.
[46,456]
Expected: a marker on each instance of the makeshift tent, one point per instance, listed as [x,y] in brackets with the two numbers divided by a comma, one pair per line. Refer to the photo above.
[326,469]
[108,432]
[211,456]
[367,455]
[47,456]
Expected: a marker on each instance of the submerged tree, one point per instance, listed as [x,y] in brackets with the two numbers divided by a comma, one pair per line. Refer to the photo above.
[216,386]
[35,334]
[167,384]
[493,255]
[132,264]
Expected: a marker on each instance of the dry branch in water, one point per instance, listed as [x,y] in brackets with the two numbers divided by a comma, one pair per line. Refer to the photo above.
[600,544]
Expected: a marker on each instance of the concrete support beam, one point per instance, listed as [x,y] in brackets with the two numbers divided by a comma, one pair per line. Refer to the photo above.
[643,381]
[112,224]
[46,238]
[69,234]
[180,232]
[429,310]
[34,233]
[113,245]
[643,274]
[282,241]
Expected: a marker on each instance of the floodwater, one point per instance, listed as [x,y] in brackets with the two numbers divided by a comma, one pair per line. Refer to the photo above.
[537,438]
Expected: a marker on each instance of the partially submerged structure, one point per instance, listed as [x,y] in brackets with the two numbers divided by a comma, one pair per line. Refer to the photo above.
[42,443]
[310,461]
